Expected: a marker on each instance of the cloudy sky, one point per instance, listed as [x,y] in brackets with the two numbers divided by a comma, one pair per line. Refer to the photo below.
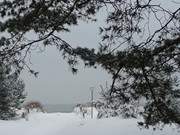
[55,83]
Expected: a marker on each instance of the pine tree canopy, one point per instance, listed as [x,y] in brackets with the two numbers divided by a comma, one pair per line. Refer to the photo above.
[140,46]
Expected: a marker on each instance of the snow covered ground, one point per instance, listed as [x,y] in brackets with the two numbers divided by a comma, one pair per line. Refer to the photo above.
[73,124]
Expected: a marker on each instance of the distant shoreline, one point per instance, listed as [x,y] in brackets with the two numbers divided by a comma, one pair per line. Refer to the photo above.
[64,108]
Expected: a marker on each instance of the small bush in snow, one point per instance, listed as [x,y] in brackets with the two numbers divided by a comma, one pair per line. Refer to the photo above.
[34,106]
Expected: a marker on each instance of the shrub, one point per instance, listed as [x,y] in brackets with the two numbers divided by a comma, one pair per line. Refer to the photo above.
[34,105]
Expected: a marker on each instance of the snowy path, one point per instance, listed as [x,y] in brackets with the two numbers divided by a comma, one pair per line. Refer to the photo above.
[71,124]
[38,124]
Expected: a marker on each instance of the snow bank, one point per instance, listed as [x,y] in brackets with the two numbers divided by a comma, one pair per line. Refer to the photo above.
[72,124]
[115,126]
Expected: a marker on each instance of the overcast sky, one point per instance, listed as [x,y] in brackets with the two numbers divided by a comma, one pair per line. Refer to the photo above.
[55,83]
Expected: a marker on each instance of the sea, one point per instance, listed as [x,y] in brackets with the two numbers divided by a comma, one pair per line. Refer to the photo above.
[64,108]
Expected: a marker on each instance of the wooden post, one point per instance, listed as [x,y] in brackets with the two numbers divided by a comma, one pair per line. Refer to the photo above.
[92,96]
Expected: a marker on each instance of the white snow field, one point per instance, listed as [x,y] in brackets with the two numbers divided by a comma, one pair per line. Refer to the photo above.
[73,124]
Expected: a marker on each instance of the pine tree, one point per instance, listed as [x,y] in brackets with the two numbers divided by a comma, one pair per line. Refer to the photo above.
[11,93]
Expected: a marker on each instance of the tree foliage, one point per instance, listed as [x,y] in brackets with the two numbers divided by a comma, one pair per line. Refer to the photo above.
[43,18]
[139,48]
[144,62]
[11,93]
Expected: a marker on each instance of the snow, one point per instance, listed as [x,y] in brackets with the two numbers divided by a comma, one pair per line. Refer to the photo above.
[86,111]
[73,124]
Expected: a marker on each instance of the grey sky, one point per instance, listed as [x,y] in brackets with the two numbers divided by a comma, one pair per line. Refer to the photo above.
[56,84]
